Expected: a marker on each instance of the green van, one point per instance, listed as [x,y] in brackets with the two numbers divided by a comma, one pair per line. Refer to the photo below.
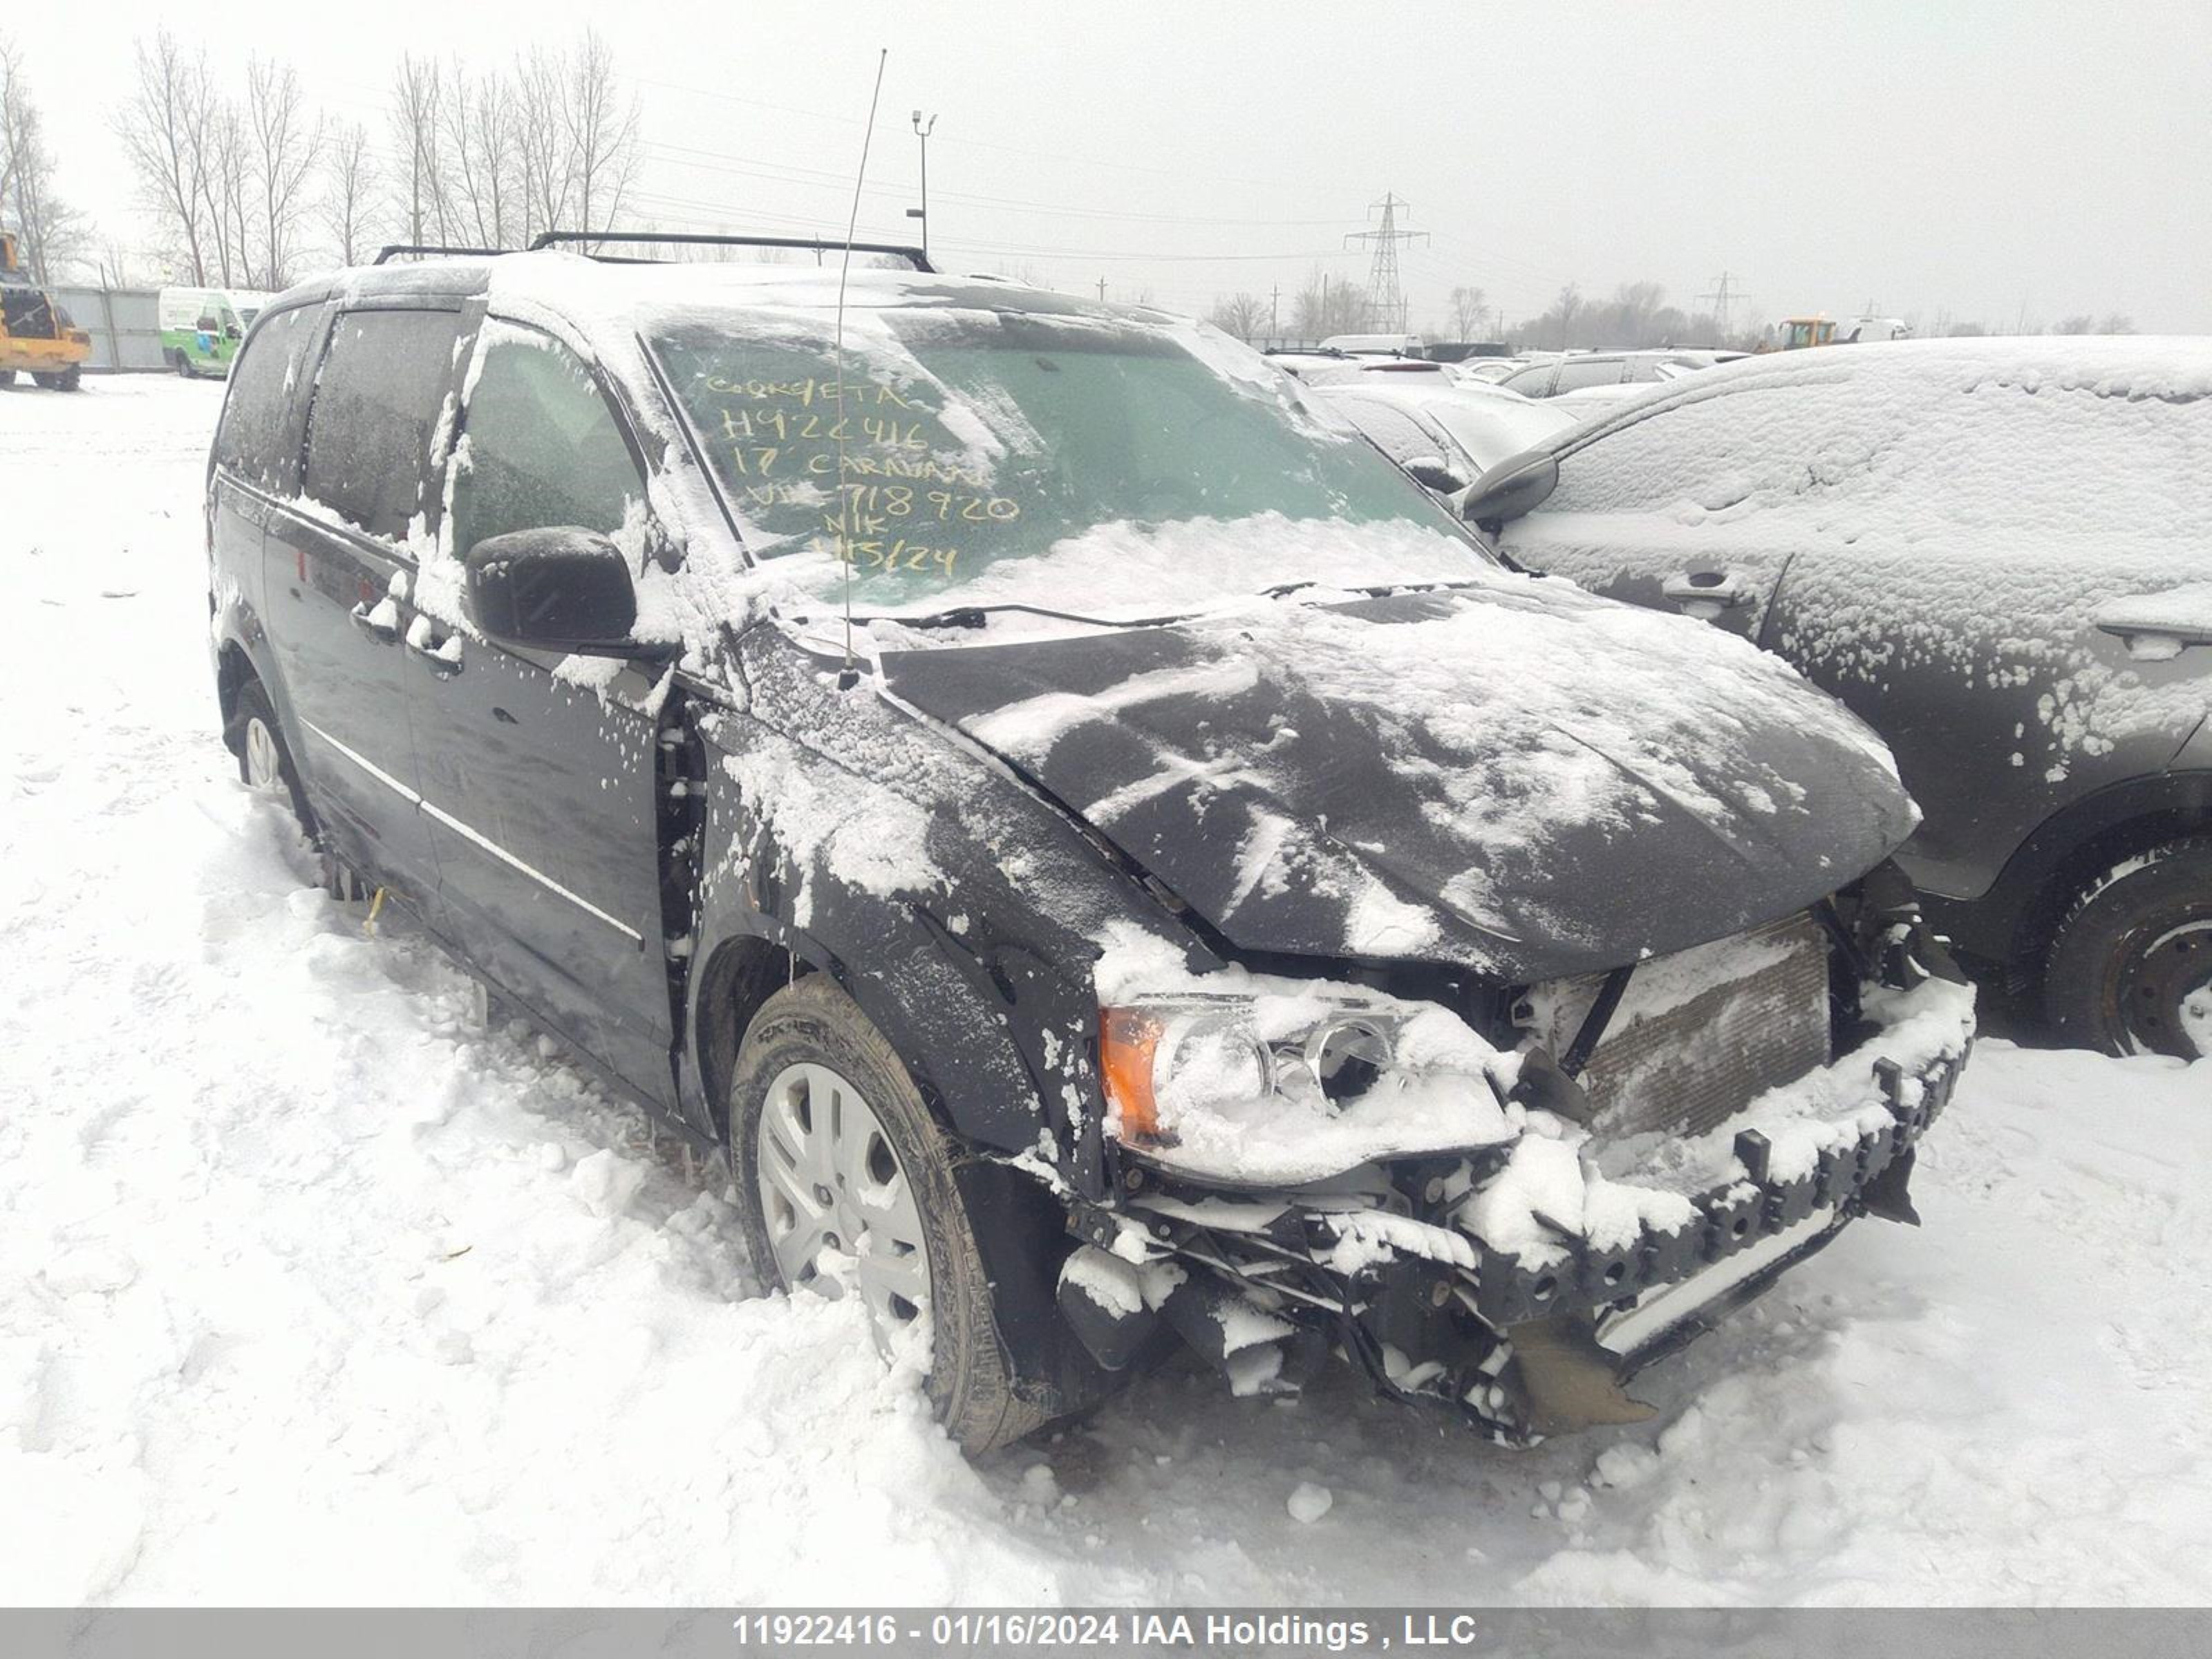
[201,327]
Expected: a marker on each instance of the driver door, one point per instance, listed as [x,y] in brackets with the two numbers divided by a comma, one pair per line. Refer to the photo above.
[538,769]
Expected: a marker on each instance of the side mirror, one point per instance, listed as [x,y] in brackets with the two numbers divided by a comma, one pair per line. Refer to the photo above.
[1433,472]
[556,589]
[1518,484]
[230,330]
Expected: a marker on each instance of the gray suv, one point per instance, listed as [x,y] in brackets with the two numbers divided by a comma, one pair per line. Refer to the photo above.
[1999,553]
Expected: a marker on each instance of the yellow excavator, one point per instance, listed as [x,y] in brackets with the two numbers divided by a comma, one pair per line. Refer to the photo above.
[36,335]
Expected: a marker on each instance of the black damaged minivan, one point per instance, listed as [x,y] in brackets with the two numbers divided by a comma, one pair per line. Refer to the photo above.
[1114,863]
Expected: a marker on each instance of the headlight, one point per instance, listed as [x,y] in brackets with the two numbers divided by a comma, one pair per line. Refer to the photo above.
[1165,1059]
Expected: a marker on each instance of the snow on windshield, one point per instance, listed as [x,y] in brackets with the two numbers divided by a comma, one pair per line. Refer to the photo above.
[1089,462]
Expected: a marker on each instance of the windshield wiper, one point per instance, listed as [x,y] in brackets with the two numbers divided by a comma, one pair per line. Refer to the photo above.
[1381,591]
[978,616]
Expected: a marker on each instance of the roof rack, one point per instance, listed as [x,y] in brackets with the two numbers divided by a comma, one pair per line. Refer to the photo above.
[913,256]
[393,250]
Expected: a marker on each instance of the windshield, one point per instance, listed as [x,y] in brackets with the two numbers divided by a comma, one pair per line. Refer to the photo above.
[1071,462]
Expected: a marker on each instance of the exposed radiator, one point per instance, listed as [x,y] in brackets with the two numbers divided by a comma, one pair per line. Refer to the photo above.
[1700,1033]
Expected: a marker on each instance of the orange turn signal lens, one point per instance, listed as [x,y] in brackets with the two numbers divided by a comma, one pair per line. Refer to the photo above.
[1127,1039]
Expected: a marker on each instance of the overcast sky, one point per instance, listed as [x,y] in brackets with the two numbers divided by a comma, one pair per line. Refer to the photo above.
[1982,160]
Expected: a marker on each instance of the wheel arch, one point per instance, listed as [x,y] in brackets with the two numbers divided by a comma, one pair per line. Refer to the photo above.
[2013,922]
[233,667]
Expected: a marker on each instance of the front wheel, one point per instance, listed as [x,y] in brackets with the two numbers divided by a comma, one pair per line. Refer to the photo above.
[265,760]
[836,1155]
[2130,968]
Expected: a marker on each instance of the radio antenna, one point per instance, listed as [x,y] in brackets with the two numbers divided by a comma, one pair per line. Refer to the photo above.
[849,675]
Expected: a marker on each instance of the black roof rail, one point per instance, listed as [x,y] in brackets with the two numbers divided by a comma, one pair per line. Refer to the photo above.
[393,250]
[913,256]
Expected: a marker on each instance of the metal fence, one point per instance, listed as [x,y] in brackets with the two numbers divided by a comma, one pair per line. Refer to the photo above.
[125,324]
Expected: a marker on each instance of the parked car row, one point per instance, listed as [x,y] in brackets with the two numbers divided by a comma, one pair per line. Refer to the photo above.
[1999,553]
[1112,863]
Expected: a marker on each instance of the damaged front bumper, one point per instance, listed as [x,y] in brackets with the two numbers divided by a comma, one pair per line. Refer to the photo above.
[1386,1267]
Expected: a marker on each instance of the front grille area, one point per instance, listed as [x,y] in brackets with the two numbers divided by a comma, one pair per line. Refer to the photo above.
[1699,1034]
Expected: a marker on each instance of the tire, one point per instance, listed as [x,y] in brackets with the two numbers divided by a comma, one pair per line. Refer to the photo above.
[7,377]
[813,1025]
[50,382]
[185,367]
[70,379]
[256,737]
[2130,969]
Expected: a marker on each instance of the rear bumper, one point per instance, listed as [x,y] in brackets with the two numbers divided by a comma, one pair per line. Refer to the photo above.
[1398,1272]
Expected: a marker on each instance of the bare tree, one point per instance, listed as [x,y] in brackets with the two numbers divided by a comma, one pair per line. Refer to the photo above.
[417,96]
[284,142]
[480,156]
[1469,306]
[602,131]
[350,183]
[2113,322]
[541,147]
[164,129]
[1244,315]
[226,189]
[53,233]
[1327,305]
[1564,308]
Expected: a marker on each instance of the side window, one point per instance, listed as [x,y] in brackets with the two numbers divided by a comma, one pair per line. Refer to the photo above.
[540,447]
[257,414]
[1534,381]
[1588,371]
[377,401]
[1400,436]
[1715,451]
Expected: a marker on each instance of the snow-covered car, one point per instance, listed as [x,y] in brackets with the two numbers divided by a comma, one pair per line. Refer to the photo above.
[1448,436]
[1999,552]
[1323,367]
[1574,371]
[1488,371]
[1099,851]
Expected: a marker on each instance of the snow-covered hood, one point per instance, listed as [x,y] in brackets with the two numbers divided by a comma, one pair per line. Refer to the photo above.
[1513,774]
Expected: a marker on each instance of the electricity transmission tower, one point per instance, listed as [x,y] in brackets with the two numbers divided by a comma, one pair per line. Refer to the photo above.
[1386,297]
[1721,298]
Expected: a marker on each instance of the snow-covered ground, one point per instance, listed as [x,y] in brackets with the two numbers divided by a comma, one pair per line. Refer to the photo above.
[312,1291]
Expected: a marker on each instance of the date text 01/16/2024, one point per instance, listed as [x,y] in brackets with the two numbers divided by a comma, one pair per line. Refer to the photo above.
[956,1631]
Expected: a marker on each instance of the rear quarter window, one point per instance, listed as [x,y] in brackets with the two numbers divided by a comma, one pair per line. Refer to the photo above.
[1595,371]
[378,399]
[257,412]
[1398,434]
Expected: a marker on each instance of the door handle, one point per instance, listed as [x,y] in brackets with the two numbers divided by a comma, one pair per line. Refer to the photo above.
[442,657]
[364,617]
[1706,593]
[2158,627]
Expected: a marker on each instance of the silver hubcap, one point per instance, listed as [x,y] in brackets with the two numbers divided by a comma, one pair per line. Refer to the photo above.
[262,771]
[830,1181]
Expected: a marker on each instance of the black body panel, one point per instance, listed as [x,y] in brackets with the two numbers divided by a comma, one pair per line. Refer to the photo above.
[1277,811]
